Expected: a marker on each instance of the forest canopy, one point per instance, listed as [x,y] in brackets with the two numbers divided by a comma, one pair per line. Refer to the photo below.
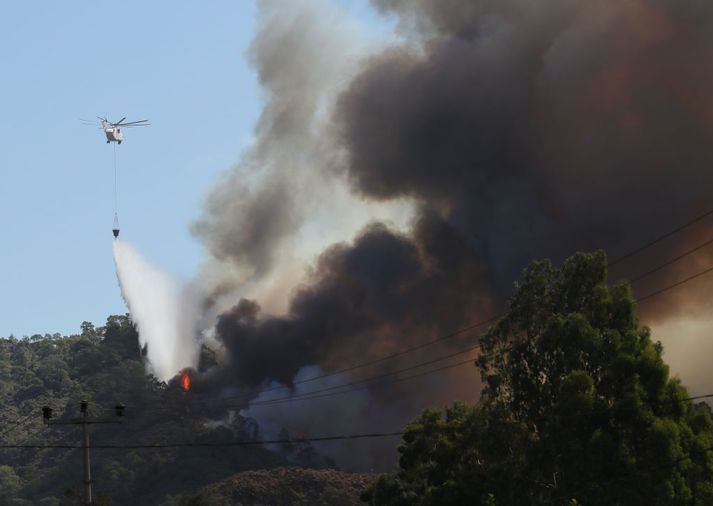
[104,365]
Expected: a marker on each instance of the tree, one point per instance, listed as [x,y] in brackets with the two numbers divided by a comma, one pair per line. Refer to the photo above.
[120,334]
[74,496]
[189,500]
[10,483]
[577,407]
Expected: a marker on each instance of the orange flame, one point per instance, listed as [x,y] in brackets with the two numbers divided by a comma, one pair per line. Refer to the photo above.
[185,381]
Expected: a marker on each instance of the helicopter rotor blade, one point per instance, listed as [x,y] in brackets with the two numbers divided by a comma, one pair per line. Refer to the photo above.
[143,122]
[119,122]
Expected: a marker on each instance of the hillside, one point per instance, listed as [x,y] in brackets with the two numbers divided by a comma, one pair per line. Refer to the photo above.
[283,486]
[105,366]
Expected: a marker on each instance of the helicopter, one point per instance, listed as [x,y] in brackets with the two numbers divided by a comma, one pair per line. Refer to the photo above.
[112,129]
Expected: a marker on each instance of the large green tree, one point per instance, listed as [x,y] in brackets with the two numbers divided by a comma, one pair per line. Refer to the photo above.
[577,407]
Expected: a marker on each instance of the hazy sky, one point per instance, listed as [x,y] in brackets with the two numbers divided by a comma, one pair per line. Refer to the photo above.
[182,65]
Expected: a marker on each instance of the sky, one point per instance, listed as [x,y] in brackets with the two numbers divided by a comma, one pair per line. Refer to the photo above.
[181,65]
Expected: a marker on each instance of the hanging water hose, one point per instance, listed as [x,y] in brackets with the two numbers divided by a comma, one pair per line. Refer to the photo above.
[115,228]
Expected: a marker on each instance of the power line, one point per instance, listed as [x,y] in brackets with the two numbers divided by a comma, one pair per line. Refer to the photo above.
[299,440]
[16,424]
[31,435]
[309,395]
[660,238]
[674,285]
[371,378]
[364,383]
[375,361]
[491,319]
[671,261]
[212,445]
[480,323]
[84,421]
[12,425]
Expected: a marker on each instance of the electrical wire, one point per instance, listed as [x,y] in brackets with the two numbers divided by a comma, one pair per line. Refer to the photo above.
[671,261]
[299,440]
[33,434]
[365,383]
[494,318]
[211,445]
[14,425]
[308,395]
[675,285]
[486,321]
[369,379]
[660,238]
[17,423]
[378,360]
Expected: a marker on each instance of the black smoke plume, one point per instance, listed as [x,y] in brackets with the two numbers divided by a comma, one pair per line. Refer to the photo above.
[360,304]
[540,128]
[519,130]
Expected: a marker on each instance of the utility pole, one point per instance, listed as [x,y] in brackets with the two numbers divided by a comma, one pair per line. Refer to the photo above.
[85,421]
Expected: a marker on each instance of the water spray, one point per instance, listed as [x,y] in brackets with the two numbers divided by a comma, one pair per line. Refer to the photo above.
[165,312]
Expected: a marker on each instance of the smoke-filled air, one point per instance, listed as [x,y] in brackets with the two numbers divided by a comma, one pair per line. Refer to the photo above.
[397,185]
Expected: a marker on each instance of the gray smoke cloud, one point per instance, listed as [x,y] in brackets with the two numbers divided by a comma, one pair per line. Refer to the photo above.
[275,210]
[256,207]
[515,130]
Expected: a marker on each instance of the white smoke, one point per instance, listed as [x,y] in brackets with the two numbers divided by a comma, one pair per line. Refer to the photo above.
[166,313]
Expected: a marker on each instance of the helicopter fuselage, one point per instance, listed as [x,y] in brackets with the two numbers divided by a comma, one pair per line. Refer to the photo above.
[113,134]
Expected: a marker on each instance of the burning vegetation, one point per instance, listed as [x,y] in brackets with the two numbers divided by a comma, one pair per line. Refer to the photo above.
[185,381]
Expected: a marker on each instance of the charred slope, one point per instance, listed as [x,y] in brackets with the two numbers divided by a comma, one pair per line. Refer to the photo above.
[284,486]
